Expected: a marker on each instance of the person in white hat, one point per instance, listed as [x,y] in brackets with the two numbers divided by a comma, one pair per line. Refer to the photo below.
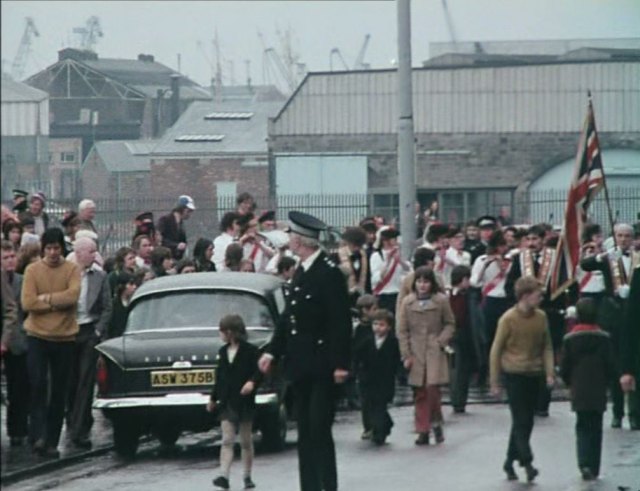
[170,227]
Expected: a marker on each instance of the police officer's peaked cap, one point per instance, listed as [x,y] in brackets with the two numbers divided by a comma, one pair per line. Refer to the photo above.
[19,193]
[144,217]
[305,225]
[486,221]
[267,216]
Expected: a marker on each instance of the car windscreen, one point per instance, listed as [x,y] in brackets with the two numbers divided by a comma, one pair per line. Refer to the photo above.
[197,309]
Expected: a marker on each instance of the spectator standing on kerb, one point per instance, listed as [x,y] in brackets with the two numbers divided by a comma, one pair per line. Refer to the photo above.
[229,229]
[245,204]
[14,352]
[93,314]
[50,293]
[171,227]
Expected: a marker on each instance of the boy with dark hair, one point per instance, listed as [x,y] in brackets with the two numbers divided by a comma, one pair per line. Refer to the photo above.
[366,306]
[464,358]
[377,358]
[286,267]
[588,367]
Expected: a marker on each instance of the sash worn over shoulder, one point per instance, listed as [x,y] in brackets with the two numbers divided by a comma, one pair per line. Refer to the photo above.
[544,272]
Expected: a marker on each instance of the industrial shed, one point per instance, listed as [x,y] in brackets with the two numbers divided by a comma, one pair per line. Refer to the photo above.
[486,127]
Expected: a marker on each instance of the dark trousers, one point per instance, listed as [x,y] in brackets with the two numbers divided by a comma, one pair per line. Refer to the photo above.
[82,381]
[314,403]
[49,365]
[375,417]
[388,301]
[589,440]
[364,407]
[522,392]
[492,309]
[17,376]
[461,364]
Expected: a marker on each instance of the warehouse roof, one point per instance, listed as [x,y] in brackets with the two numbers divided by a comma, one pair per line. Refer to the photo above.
[13,91]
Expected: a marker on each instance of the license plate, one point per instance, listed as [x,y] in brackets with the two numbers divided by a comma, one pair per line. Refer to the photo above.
[172,378]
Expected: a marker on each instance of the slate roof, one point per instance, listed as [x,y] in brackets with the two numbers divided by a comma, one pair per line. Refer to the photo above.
[240,135]
[125,155]
[13,91]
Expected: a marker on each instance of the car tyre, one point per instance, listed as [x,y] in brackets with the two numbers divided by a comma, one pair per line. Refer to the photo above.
[273,428]
[168,435]
[126,438]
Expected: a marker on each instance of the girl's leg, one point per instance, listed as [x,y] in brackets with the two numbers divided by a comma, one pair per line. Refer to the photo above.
[226,451]
[246,444]
[435,404]
[422,410]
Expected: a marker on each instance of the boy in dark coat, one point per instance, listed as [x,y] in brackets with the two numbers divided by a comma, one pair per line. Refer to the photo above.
[233,396]
[366,305]
[378,357]
[588,366]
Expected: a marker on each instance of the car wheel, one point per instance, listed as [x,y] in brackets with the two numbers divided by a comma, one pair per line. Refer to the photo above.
[168,435]
[126,437]
[274,428]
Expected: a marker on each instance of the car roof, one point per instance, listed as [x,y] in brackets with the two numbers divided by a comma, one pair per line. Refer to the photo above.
[258,283]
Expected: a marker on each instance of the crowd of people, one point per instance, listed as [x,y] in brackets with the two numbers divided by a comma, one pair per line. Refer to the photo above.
[472,305]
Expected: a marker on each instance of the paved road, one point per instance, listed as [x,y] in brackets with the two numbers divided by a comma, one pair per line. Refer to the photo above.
[470,459]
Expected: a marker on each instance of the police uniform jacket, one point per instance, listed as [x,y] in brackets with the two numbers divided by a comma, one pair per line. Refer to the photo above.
[314,333]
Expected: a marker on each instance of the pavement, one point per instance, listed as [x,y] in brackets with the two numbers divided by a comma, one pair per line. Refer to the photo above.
[470,459]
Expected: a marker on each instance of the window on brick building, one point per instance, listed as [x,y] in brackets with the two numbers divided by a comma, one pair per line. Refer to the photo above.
[67,157]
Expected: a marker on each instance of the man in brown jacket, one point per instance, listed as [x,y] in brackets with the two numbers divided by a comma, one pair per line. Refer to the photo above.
[49,296]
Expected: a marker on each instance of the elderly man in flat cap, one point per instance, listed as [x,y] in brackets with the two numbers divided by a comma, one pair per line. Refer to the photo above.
[37,213]
[315,336]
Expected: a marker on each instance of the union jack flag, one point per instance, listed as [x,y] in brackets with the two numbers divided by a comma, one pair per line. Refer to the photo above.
[588,180]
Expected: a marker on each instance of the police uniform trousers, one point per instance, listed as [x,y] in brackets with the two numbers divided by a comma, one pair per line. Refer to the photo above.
[314,402]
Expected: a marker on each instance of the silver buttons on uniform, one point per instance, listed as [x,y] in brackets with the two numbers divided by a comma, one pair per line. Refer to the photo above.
[320,341]
[294,332]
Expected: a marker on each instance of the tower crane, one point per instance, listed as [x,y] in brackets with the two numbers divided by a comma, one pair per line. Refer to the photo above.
[449,21]
[20,61]
[336,51]
[89,34]
[359,63]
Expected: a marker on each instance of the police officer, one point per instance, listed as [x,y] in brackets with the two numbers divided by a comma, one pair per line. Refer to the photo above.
[315,338]
[19,201]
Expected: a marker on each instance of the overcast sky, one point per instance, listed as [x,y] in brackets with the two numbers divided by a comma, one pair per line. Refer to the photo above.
[166,28]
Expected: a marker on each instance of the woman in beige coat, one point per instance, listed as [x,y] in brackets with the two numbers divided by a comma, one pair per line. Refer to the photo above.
[425,326]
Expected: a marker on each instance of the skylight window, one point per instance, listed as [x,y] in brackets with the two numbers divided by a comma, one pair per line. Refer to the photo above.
[228,115]
[199,138]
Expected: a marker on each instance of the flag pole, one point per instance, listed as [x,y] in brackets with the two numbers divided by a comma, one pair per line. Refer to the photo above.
[604,179]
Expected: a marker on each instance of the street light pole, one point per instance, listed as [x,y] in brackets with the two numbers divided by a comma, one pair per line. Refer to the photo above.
[406,150]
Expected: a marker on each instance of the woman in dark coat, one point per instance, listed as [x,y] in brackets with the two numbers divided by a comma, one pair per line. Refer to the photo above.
[588,367]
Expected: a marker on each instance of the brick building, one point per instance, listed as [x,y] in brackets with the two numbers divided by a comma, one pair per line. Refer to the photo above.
[217,150]
[65,159]
[486,127]
[117,170]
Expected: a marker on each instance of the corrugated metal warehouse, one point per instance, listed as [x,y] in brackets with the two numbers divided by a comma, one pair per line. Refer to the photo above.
[486,126]
[25,133]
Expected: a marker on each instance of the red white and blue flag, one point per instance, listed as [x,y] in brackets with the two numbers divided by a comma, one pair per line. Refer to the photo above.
[588,180]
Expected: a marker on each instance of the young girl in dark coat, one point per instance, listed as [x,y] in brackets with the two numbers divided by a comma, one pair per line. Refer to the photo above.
[378,356]
[588,367]
[233,396]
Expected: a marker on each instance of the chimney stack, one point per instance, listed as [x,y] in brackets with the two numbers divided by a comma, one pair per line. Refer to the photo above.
[175,97]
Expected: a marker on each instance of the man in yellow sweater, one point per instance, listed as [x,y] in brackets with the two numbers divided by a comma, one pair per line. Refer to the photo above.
[523,351]
[50,294]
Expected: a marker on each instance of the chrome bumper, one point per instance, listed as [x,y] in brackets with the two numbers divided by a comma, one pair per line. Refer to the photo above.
[171,400]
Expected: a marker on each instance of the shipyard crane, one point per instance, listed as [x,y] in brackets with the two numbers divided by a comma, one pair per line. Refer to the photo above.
[336,51]
[20,61]
[271,61]
[89,34]
[449,21]
[359,63]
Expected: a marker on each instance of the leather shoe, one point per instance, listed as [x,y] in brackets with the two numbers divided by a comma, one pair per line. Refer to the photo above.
[438,433]
[248,483]
[532,472]
[49,453]
[510,471]
[221,482]
[616,422]
[423,439]
[634,424]
[587,474]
